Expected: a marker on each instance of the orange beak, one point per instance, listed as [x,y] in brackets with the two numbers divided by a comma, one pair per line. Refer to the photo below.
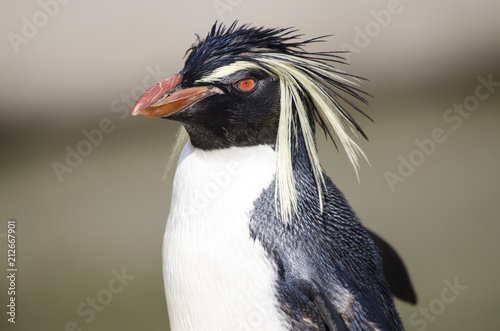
[165,98]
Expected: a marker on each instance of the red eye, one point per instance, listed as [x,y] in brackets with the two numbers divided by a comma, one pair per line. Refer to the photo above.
[246,84]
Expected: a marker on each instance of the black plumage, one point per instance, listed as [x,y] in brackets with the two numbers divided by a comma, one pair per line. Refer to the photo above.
[331,253]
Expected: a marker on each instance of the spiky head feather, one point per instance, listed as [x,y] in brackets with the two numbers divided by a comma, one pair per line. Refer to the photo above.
[311,90]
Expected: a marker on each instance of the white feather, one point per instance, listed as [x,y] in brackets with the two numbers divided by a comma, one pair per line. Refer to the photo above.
[216,276]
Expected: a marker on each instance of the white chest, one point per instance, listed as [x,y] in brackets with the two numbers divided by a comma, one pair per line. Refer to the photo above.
[216,276]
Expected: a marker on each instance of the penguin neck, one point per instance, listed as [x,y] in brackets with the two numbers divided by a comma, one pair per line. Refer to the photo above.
[301,163]
[210,137]
[305,181]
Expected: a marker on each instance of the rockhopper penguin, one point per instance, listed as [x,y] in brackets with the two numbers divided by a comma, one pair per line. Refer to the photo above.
[258,236]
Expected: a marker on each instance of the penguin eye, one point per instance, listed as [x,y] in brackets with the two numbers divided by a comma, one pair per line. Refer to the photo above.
[246,84]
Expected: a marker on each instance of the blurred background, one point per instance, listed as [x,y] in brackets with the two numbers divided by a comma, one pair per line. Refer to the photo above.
[83,179]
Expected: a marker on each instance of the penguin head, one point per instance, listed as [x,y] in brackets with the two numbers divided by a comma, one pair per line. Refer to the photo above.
[243,86]
[238,109]
[222,96]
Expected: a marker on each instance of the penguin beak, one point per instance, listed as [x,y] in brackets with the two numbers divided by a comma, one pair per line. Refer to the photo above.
[166,98]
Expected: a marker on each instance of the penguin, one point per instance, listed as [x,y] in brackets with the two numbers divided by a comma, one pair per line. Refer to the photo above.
[258,237]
